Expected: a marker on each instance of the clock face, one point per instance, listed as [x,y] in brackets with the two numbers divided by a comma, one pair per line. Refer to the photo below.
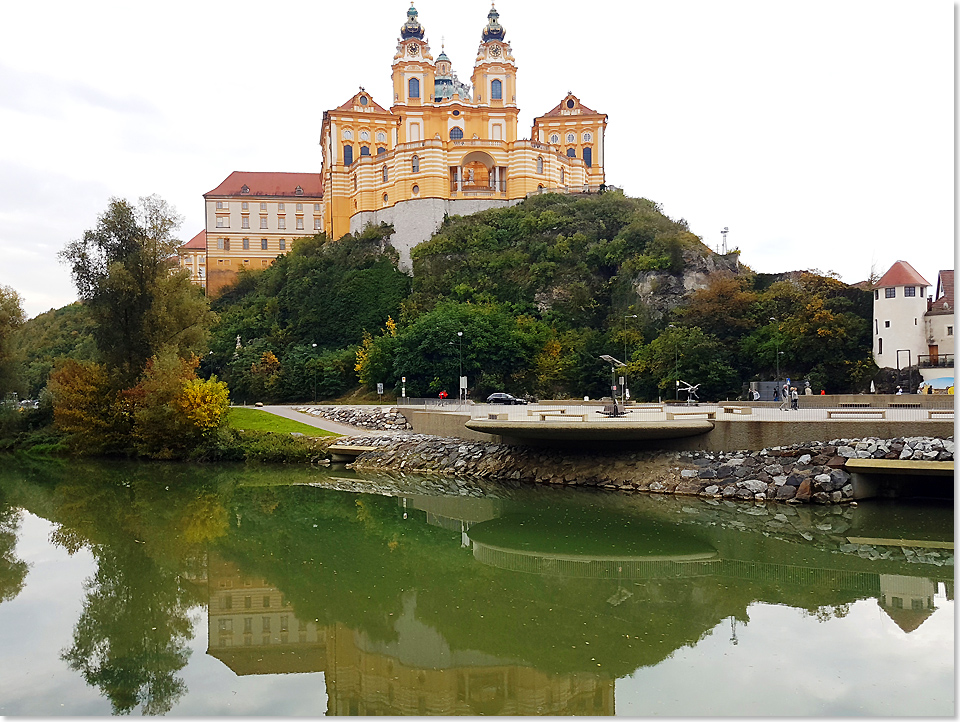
[413,49]
[495,51]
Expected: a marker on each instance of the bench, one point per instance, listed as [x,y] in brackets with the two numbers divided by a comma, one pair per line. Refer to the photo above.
[857,405]
[699,412]
[560,415]
[498,417]
[537,412]
[647,407]
[939,413]
[865,411]
[743,410]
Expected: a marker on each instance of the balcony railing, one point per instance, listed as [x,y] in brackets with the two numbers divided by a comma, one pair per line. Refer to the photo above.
[935,361]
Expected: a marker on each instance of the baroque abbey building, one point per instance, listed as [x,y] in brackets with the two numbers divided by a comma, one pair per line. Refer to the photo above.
[443,148]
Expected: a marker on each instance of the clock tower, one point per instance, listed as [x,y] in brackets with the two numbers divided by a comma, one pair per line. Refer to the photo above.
[413,68]
[494,71]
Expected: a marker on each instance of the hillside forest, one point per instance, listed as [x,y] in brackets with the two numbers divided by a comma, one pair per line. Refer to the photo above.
[523,299]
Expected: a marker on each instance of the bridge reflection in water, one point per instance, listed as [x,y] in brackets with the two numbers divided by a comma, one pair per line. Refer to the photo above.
[657,579]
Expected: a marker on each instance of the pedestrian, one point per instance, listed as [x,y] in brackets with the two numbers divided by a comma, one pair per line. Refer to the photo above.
[794,399]
[784,397]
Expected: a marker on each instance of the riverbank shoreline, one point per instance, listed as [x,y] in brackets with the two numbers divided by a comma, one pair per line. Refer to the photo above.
[801,473]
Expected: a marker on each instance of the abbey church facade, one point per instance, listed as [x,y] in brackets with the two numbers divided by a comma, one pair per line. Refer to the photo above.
[444,147]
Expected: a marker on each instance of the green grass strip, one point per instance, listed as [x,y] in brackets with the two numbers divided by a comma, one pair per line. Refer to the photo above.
[249,419]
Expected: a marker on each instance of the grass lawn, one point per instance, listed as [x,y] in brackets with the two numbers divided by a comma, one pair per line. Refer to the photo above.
[257,420]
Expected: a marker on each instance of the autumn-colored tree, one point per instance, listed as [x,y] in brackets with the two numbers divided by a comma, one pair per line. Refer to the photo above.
[87,408]
[722,309]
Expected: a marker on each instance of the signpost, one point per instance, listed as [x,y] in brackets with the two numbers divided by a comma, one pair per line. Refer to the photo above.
[380,391]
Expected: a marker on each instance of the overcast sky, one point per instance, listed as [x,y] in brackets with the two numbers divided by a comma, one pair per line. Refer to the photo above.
[821,133]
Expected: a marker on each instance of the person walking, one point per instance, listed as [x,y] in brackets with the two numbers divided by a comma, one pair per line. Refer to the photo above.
[784,397]
[794,399]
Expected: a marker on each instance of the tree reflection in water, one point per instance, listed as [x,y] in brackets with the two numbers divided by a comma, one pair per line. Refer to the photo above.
[13,571]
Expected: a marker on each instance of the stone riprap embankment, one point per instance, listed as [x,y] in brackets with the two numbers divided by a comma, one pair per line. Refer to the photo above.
[808,473]
[379,418]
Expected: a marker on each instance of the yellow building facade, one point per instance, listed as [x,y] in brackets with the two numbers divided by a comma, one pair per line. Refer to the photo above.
[445,147]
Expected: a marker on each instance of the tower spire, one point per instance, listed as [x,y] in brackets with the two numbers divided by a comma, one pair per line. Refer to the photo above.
[493,30]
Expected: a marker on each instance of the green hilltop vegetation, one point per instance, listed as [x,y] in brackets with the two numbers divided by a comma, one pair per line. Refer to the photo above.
[539,291]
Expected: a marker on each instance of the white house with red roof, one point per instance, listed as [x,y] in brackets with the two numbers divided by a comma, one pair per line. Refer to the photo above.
[192,256]
[910,329]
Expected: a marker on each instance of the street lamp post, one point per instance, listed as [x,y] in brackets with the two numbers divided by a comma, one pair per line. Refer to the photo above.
[778,357]
[623,392]
[461,393]
[314,375]
[676,365]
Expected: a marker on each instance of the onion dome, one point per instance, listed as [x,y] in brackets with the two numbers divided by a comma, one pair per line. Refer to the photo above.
[412,28]
[493,30]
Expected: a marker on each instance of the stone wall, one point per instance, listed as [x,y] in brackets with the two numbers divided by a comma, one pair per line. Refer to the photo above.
[811,473]
[380,418]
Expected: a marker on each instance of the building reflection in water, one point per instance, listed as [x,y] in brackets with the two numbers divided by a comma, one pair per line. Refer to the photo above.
[252,629]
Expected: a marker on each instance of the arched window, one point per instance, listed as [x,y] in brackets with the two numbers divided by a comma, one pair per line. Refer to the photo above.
[413,88]
[364,150]
[588,157]
[348,155]
[415,164]
[540,164]
[381,150]
[456,133]
[571,152]
[385,174]
[496,90]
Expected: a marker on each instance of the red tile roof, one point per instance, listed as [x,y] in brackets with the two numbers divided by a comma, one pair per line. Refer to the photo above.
[199,241]
[902,273]
[943,301]
[561,106]
[269,184]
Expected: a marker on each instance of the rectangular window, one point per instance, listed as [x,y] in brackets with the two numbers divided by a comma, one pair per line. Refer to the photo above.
[879,346]
[219,205]
[246,244]
[248,625]
[890,292]
[949,330]
[263,223]
[226,625]
[219,244]
[910,291]
[245,206]
[223,221]
[264,262]
[227,602]
[263,206]
[283,245]
[281,223]
[263,244]
[281,207]
[876,295]
[886,324]
[316,224]
[299,207]
[246,261]
[266,601]
[247,602]
[284,623]
[299,224]
[316,207]
[265,622]
[245,222]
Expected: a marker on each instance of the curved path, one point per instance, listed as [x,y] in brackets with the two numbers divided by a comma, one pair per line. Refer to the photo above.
[287,412]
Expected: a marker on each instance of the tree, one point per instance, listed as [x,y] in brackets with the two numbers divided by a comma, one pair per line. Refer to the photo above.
[11,318]
[121,271]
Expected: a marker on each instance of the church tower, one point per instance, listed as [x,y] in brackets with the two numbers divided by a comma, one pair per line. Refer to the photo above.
[494,71]
[414,74]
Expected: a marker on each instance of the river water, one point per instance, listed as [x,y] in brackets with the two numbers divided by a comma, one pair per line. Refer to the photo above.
[182,590]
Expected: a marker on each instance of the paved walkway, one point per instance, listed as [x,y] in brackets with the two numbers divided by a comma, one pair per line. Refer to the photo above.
[287,412]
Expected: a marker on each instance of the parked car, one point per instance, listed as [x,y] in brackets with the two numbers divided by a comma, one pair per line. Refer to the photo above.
[501,398]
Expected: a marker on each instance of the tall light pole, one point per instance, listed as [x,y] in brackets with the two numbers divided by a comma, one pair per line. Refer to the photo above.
[314,375]
[778,356]
[623,393]
[676,365]
[462,391]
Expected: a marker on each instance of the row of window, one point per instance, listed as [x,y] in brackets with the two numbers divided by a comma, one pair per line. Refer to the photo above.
[364,135]
[908,292]
[571,138]
[223,244]
[245,205]
[226,625]
[224,222]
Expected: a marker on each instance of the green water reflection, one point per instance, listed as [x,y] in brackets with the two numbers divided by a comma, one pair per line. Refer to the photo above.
[433,597]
